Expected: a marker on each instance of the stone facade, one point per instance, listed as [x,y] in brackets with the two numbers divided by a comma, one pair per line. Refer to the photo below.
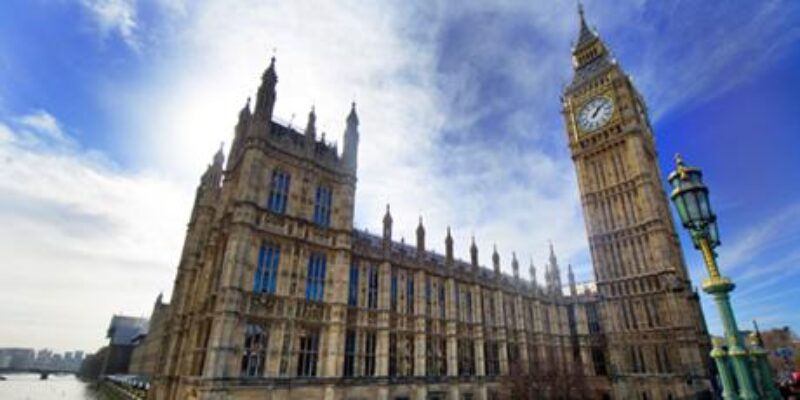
[147,348]
[657,341]
[277,296]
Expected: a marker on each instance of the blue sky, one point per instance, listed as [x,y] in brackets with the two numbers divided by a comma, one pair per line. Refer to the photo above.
[109,110]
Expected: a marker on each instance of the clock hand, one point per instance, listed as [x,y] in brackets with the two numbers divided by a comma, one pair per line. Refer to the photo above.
[596,110]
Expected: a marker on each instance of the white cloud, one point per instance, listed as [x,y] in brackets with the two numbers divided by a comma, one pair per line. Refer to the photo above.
[43,123]
[115,17]
[80,240]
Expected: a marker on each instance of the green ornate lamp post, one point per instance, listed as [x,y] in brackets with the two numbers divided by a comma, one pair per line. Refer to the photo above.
[761,366]
[690,196]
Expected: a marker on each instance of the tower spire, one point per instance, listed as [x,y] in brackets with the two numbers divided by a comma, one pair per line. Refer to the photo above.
[473,253]
[265,98]
[350,151]
[448,246]
[585,34]
[420,238]
[387,224]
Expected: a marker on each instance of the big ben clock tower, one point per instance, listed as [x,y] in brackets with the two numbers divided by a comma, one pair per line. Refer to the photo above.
[656,339]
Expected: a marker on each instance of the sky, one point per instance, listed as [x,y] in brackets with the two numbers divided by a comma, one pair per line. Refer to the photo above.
[110,110]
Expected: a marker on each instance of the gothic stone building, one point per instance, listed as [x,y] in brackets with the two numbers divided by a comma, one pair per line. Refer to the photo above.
[277,296]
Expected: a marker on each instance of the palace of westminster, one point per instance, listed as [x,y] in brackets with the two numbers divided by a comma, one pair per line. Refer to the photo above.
[278,296]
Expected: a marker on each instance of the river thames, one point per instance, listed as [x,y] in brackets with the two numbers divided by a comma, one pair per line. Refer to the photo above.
[30,387]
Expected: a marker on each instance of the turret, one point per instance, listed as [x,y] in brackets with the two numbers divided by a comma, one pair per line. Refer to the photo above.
[212,178]
[265,98]
[387,225]
[350,151]
[473,254]
[448,247]
[420,239]
[532,272]
[239,134]
[515,265]
[496,261]
[311,131]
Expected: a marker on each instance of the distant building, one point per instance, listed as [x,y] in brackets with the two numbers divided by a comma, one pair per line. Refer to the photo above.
[121,334]
[146,355]
[15,358]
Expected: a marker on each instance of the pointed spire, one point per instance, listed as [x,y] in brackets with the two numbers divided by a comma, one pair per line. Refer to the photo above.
[219,157]
[473,253]
[265,98]
[352,118]
[420,237]
[350,152]
[515,264]
[448,246]
[586,34]
[532,272]
[245,113]
[269,74]
[311,126]
[496,260]
[387,224]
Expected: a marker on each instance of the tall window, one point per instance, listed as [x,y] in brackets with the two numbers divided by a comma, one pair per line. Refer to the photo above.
[491,358]
[309,352]
[267,269]
[393,291]
[315,282]
[322,206]
[466,357]
[352,294]
[279,192]
[409,294]
[392,354]
[468,303]
[442,304]
[350,353]
[369,353]
[372,289]
[428,299]
[255,350]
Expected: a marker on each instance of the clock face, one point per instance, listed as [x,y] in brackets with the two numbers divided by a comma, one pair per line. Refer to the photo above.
[595,113]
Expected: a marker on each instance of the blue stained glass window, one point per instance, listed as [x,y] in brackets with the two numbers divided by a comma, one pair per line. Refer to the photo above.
[279,192]
[315,281]
[267,268]
[322,206]
[352,295]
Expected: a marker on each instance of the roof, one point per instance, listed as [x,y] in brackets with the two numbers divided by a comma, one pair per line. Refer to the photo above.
[123,329]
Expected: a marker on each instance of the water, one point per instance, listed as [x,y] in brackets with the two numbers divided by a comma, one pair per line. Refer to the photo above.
[30,387]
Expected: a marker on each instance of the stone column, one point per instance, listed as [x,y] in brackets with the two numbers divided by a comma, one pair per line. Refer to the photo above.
[384,299]
[419,323]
